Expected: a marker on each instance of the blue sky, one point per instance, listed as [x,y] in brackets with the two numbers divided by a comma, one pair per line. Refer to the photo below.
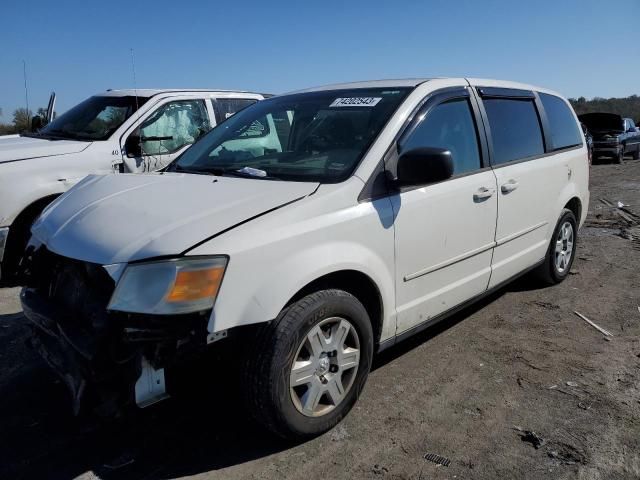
[577,47]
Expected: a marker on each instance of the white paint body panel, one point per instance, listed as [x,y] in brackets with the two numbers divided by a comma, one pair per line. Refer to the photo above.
[274,256]
[526,218]
[15,147]
[436,236]
[444,241]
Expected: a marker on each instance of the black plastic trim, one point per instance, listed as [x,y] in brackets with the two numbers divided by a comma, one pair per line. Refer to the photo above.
[544,124]
[496,92]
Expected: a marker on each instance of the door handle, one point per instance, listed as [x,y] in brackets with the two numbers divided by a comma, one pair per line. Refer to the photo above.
[483,193]
[509,187]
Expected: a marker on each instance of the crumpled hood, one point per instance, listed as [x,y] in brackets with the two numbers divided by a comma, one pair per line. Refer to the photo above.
[120,218]
[15,147]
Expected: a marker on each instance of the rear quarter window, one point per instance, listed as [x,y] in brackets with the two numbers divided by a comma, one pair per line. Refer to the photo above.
[515,129]
[226,107]
[564,128]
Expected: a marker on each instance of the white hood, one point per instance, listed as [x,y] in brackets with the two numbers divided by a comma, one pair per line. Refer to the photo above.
[120,218]
[15,147]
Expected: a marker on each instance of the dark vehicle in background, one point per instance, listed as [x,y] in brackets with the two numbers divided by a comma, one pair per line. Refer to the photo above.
[588,138]
[613,135]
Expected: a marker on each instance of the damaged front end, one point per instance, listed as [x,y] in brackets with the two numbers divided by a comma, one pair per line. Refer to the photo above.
[109,360]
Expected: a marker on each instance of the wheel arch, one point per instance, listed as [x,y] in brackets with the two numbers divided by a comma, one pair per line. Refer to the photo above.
[31,211]
[575,205]
[358,284]
[19,234]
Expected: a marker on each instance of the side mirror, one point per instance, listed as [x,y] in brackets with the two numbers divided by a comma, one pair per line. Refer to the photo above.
[132,146]
[36,123]
[420,166]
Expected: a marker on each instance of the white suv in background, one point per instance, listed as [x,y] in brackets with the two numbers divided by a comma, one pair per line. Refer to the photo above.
[119,130]
[309,231]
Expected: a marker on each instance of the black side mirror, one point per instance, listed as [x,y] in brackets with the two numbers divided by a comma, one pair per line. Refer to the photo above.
[421,166]
[132,146]
[37,123]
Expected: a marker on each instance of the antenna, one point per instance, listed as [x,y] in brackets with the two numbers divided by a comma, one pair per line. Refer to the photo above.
[26,90]
[133,70]
[135,92]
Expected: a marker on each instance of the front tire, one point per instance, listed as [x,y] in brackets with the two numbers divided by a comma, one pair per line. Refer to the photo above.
[306,369]
[620,157]
[562,250]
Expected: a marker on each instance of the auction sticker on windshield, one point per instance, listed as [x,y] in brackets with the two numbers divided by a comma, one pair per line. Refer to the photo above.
[356,102]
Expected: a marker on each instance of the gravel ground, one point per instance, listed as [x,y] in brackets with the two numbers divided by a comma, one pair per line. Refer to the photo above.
[470,390]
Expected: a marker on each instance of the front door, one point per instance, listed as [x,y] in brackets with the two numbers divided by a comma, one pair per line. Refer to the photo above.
[444,231]
[164,134]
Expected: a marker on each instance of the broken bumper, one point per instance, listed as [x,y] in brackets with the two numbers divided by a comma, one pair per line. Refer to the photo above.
[76,357]
[109,361]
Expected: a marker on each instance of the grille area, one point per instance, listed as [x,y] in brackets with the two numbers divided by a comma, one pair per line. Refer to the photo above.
[98,353]
[81,289]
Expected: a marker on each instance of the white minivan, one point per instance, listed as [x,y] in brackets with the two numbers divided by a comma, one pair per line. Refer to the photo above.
[128,131]
[303,235]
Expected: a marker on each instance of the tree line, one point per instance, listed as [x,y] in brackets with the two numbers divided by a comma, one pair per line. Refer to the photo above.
[626,107]
[21,121]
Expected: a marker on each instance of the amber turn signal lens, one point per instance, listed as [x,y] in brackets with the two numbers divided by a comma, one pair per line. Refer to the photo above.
[195,284]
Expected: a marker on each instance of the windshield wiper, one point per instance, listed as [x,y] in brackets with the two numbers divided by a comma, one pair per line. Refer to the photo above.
[43,135]
[65,134]
[244,172]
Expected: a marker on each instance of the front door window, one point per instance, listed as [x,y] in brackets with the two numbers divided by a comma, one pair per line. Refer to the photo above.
[174,126]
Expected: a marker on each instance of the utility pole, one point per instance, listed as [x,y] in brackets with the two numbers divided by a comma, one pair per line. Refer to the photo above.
[26,90]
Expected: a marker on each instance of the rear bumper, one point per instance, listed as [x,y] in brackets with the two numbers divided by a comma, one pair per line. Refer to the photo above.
[608,151]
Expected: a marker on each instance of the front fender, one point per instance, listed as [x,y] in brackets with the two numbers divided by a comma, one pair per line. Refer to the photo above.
[274,257]
[273,287]
[19,192]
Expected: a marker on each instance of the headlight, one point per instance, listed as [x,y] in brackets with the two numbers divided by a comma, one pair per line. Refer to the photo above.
[169,287]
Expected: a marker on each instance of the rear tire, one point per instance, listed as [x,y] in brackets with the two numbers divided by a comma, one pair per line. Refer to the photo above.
[561,252]
[636,154]
[283,373]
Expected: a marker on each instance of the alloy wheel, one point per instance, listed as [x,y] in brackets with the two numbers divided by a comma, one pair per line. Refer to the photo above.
[324,367]
[564,247]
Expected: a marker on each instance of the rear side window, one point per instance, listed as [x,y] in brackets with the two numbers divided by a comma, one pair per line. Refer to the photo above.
[225,107]
[515,129]
[449,125]
[564,128]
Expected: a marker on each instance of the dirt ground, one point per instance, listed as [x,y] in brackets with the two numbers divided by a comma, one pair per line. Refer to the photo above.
[468,390]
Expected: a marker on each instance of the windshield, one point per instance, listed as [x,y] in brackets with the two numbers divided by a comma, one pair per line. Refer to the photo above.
[310,137]
[602,122]
[94,119]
